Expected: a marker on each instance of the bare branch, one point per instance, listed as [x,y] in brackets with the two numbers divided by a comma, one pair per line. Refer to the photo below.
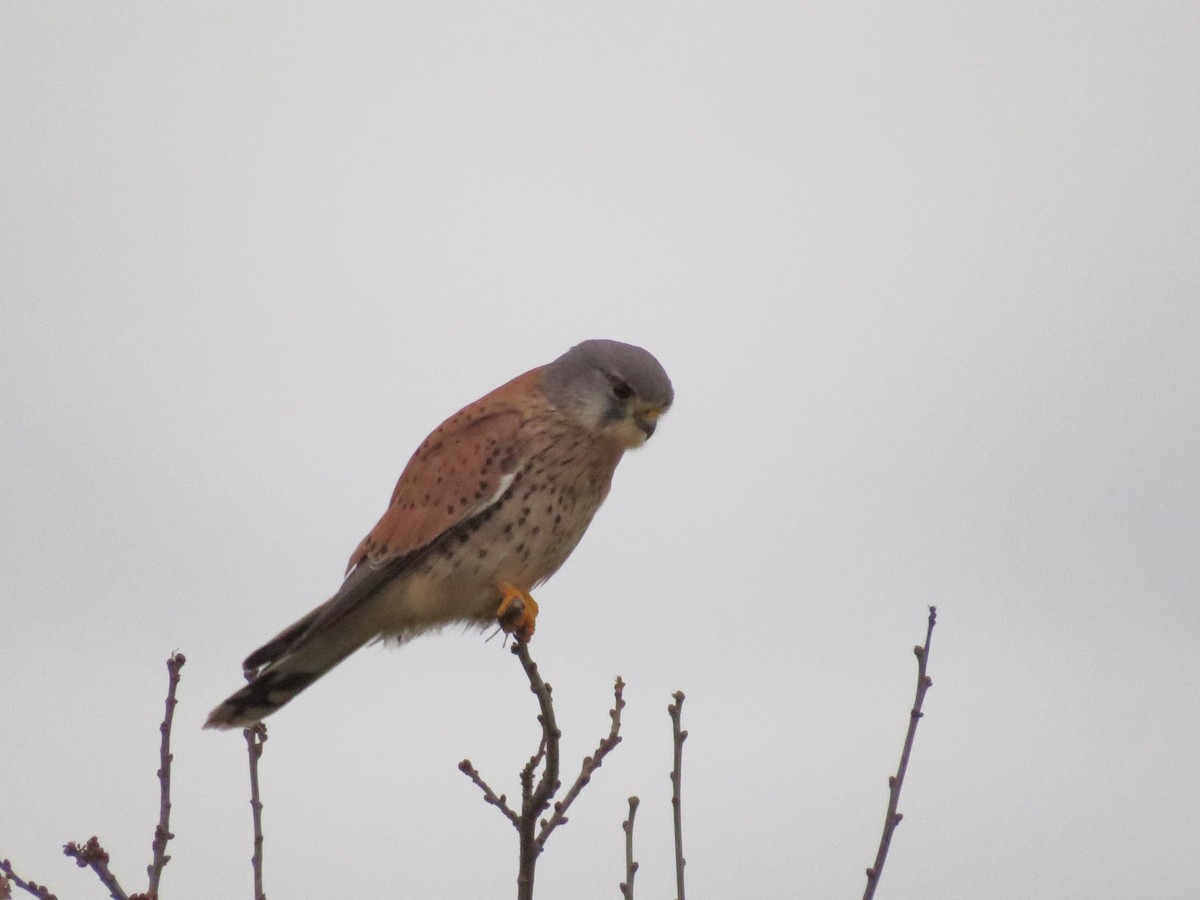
[255,737]
[675,710]
[92,855]
[31,887]
[537,792]
[500,802]
[534,800]
[631,867]
[896,782]
[162,832]
[590,765]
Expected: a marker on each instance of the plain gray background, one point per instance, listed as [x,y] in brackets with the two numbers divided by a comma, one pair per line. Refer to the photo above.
[926,278]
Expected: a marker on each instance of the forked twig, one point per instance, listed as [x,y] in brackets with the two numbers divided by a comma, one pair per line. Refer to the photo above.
[675,710]
[91,855]
[537,792]
[896,782]
[631,866]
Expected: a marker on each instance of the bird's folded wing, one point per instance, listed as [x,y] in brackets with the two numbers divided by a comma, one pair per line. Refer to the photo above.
[463,468]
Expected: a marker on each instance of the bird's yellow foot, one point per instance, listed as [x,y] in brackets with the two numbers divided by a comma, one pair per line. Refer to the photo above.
[517,613]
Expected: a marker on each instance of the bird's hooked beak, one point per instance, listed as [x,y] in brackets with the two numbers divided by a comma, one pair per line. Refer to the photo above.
[647,420]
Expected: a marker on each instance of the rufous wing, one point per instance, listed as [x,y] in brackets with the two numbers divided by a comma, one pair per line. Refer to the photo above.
[461,469]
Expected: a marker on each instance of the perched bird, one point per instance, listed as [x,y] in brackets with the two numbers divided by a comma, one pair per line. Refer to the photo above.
[490,505]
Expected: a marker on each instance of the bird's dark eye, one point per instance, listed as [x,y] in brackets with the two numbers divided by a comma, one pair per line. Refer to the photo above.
[621,390]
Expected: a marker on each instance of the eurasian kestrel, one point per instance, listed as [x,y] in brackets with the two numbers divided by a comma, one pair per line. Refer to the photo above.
[490,505]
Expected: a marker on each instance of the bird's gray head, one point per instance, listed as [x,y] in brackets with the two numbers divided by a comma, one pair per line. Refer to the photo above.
[617,389]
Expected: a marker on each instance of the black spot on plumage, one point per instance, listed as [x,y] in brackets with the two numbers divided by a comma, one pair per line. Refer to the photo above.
[460,534]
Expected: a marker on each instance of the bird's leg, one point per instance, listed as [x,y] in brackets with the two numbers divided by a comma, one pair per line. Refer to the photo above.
[517,613]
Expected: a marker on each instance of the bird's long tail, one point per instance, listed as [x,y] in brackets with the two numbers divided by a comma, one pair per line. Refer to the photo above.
[290,662]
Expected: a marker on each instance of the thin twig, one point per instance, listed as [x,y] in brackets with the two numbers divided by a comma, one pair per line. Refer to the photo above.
[92,855]
[162,832]
[256,736]
[896,782]
[674,710]
[530,767]
[590,765]
[32,887]
[631,867]
[535,800]
[500,802]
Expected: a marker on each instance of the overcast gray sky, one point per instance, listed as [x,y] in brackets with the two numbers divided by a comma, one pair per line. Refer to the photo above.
[927,280]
